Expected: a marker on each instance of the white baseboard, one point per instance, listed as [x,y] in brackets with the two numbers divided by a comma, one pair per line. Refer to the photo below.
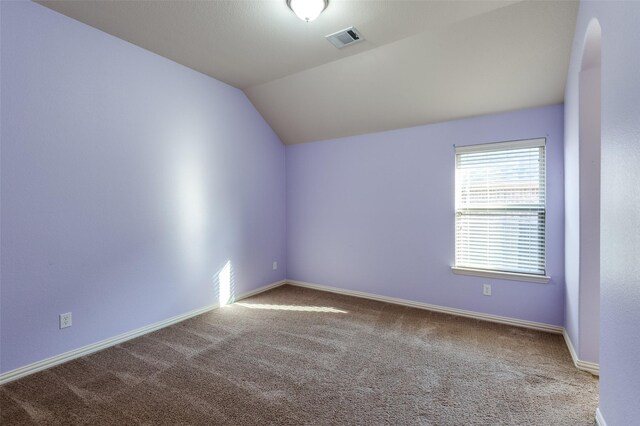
[590,367]
[259,290]
[94,347]
[459,312]
[17,373]
[599,419]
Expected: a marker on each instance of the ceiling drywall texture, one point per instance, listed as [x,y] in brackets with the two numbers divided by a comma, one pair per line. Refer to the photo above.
[510,58]
[421,62]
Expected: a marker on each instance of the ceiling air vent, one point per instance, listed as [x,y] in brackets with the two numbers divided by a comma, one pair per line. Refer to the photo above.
[345,37]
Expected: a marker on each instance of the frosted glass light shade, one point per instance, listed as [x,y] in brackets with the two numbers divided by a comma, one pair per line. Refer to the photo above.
[307,10]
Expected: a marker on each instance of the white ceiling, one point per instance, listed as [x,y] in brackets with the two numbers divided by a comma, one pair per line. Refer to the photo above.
[421,62]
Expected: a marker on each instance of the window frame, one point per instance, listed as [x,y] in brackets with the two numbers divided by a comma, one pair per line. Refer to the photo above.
[489,273]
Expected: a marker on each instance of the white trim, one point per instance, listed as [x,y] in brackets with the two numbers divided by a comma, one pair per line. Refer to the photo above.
[590,367]
[599,419]
[94,347]
[259,290]
[569,343]
[512,276]
[459,312]
[518,144]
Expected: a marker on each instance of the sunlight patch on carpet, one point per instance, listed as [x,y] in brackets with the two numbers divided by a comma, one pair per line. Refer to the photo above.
[291,308]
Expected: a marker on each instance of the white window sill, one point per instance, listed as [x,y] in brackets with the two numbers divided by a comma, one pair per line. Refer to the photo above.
[541,279]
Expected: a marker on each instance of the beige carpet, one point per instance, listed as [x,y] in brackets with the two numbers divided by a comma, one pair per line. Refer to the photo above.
[297,356]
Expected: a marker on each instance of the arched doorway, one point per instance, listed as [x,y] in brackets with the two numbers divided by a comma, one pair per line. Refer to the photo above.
[589,149]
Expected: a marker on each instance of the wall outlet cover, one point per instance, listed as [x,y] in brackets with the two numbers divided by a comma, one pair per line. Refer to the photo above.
[65,320]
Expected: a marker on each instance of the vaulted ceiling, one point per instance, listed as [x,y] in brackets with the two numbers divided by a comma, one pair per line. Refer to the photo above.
[421,61]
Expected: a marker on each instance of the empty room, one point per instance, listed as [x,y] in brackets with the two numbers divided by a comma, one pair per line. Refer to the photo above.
[319,212]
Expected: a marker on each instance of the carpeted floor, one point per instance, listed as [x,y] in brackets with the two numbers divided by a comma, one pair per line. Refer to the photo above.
[297,356]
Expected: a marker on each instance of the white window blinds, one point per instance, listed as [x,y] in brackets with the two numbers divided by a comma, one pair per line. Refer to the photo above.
[500,207]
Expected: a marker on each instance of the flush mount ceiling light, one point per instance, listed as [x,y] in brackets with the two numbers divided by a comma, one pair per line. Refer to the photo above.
[307,10]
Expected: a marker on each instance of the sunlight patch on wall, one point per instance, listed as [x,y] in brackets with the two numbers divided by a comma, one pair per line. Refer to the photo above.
[225,284]
[193,210]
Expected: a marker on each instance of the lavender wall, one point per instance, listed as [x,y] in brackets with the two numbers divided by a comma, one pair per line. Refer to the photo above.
[620,218]
[128,181]
[375,213]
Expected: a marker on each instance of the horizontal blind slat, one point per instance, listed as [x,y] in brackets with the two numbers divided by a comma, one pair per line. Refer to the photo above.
[500,207]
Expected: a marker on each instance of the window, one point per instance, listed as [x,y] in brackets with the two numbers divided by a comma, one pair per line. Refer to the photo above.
[500,210]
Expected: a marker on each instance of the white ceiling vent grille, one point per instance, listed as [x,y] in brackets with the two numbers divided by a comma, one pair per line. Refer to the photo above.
[344,37]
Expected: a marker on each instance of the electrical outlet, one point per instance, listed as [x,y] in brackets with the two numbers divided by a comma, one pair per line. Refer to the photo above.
[65,320]
[275,265]
[486,289]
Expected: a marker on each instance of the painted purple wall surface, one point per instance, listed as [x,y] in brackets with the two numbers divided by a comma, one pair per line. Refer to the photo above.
[375,213]
[128,182]
[620,200]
